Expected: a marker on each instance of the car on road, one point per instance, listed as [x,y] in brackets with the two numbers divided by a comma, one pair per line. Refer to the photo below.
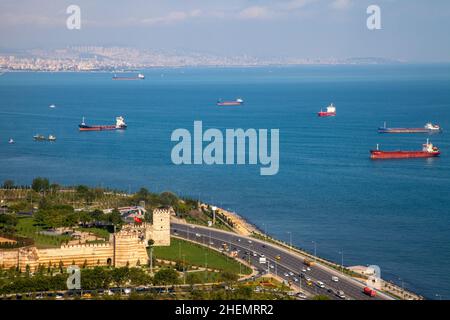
[239,240]
[272,266]
[198,235]
[211,243]
[278,257]
[304,270]
[286,274]
[308,279]
[301,295]
[320,284]
[308,268]
[254,254]
[295,279]
[340,294]
[263,245]
[249,241]
[335,279]
[291,273]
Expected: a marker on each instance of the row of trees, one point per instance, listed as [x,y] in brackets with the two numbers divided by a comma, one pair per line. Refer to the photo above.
[91,279]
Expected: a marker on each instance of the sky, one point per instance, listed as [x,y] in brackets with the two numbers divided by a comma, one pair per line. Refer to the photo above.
[411,30]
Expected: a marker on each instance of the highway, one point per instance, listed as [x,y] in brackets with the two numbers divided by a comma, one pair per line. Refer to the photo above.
[289,266]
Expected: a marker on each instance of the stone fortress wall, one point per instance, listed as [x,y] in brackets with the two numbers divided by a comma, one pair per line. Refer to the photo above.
[126,248]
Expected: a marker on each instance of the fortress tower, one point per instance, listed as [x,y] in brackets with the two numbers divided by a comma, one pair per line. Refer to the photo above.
[161,226]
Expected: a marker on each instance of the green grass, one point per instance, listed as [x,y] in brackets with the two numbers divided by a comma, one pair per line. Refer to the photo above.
[195,255]
[26,228]
[101,233]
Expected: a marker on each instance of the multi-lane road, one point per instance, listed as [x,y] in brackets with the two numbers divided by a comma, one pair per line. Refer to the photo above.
[290,265]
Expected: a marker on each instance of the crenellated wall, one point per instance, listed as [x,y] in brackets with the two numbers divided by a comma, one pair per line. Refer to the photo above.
[127,247]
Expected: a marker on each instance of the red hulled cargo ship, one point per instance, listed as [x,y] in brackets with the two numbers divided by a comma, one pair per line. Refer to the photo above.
[428,151]
[427,128]
[331,111]
[228,103]
[120,125]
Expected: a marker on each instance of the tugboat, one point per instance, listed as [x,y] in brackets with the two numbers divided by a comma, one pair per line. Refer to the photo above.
[331,111]
[226,103]
[120,125]
[427,128]
[428,151]
[51,138]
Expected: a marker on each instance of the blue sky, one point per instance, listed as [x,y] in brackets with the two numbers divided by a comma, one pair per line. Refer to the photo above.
[412,30]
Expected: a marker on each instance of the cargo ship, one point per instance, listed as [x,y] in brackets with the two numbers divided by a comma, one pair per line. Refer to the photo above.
[224,103]
[428,151]
[331,111]
[140,76]
[120,125]
[427,128]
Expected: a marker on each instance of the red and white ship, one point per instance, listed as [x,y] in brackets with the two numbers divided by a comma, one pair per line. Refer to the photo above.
[331,111]
[120,125]
[227,103]
[428,151]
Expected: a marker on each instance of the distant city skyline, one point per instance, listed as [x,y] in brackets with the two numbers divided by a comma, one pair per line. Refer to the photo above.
[412,30]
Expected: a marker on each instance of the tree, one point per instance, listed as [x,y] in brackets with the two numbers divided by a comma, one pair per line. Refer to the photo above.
[8,184]
[40,184]
[115,218]
[168,199]
[228,277]
[166,277]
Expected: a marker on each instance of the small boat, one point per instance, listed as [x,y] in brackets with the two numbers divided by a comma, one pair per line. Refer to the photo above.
[51,138]
[427,128]
[331,111]
[52,106]
[39,137]
[237,102]
[428,151]
[11,141]
[120,125]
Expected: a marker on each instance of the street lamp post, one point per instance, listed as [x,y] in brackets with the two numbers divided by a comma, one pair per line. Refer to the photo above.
[315,250]
[290,240]
[342,260]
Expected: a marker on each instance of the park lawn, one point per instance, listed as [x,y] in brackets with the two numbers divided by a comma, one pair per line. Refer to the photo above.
[26,228]
[195,255]
[101,233]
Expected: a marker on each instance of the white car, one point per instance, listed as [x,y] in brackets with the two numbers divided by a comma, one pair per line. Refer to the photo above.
[127,290]
[286,274]
[239,240]
[254,254]
[340,294]
[198,235]
[302,295]
[272,266]
[335,279]
[308,268]
[308,279]
[291,273]
[249,241]
[295,279]
[304,270]
[320,284]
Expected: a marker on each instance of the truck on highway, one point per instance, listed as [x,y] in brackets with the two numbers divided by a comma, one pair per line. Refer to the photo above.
[308,262]
[262,260]
[370,292]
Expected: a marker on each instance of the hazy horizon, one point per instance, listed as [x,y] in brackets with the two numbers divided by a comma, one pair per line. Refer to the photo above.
[412,30]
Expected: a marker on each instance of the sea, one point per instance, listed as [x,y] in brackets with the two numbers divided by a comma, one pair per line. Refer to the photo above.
[327,194]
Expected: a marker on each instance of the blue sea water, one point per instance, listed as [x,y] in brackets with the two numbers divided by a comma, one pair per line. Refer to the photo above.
[393,213]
